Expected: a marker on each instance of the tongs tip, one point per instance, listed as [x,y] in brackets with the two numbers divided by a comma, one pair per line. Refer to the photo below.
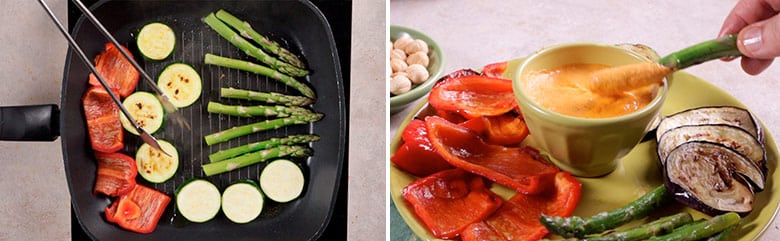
[172,112]
[149,139]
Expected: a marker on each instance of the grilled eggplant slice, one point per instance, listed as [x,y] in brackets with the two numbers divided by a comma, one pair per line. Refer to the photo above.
[713,115]
[709,177]
[732,137]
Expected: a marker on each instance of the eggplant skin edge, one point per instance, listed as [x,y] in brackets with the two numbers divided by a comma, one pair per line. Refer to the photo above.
[757,144]
[753,126]
[684,197]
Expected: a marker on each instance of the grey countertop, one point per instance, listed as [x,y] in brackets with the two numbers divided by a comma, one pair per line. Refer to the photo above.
[34,198]
[475,33]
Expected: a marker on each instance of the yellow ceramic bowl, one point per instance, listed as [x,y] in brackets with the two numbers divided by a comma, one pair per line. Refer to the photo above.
[586,147]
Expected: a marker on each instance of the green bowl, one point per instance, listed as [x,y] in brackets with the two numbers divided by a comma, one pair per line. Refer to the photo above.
[435,68]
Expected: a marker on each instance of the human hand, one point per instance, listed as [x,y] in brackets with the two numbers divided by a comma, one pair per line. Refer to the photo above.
[758,25]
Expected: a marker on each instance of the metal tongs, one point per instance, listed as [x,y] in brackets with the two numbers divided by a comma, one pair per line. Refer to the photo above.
[170,109]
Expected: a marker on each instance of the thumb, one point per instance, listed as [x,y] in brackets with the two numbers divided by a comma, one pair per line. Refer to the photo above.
[761,40]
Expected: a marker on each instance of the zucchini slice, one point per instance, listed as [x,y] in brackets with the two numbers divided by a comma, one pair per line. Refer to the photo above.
[242,201]
[147,111]
[155,166]
[198,200]
[181,83]
[156,41]
[282,180]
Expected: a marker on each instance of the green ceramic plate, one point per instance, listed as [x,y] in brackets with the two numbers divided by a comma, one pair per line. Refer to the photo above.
[636,174]
[435,68]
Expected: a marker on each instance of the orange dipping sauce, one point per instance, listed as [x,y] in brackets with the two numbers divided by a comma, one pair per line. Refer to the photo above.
[564,90]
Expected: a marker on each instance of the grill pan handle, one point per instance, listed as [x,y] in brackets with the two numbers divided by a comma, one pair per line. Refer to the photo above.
[29,123]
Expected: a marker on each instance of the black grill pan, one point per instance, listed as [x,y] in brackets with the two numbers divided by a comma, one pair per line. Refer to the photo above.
[297,24]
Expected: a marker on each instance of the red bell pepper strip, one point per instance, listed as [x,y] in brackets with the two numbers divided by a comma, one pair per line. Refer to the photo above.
[473,96]
[416,155]
[116,70]
[451,116]
[520,168]
[518,218]
[450,200]
[507,129]
[495,70]
[138,211]
[103,125]
[116,174]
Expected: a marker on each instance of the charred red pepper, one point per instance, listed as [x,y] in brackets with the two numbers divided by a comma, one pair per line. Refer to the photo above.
[520,168]
[416,155]
[518,218]
[103,124]
[139,210]
[116,174]
[507,129]
[450,200]
[473,96]
[495,70]
[116,70]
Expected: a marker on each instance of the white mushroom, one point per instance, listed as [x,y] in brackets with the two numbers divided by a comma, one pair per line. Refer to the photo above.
[402,42]
[420,58]
[417,73]
[399,73]
[400,84]
[398,65]
[398,54]
[416,46]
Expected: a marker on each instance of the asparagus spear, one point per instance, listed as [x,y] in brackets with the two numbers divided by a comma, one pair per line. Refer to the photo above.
[270,143]
[575,226]
[238,41]
[701,230]
[259,69]
[256,110]
[724,235]
[725,46]
[215,168]
[642,232]
[246,30]
[237,131]
[269,97]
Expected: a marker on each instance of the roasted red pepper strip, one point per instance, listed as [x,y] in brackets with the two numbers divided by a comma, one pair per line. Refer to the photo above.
[416,155]
[450,200]
[103,125]
[473,96]
[138,211]
[116,70]
[116,174]
[520,168]
[507,129]
[518,218]
[495,70]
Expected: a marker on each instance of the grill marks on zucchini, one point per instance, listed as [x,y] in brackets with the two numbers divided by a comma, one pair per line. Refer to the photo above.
[713,158]
[181,83]
[147,111]
[155,166]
